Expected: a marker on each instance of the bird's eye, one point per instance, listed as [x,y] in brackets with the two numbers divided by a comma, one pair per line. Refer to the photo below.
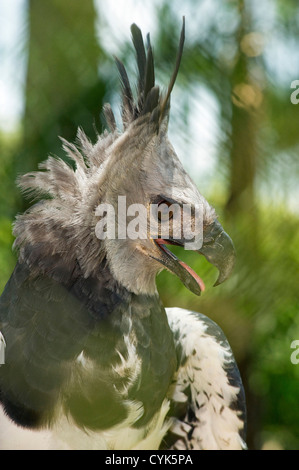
[164,211]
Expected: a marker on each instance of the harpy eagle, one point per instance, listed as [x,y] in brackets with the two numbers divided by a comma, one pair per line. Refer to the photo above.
[93,360]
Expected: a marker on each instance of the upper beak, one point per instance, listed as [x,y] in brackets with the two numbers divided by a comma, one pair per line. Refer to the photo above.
[219,250]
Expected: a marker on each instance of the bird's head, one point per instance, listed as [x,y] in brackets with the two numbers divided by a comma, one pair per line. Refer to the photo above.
[128,197]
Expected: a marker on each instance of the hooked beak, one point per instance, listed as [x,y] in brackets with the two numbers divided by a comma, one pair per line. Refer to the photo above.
[217,248]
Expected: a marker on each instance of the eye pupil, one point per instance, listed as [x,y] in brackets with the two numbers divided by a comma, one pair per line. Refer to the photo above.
[163,211]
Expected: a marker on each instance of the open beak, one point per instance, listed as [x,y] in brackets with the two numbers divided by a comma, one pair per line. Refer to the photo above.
[217,248]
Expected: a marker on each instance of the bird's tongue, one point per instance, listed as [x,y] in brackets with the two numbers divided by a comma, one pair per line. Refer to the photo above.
[193,274]
[161,242]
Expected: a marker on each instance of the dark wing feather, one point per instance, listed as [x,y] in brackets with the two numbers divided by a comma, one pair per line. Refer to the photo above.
[46,326]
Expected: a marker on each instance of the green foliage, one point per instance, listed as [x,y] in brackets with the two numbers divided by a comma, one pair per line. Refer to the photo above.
[7,258]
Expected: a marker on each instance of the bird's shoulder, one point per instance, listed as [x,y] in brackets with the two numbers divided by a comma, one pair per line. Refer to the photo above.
[207,396]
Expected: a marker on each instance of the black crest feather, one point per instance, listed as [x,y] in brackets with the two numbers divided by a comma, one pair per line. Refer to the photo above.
[140,54]
[150,100]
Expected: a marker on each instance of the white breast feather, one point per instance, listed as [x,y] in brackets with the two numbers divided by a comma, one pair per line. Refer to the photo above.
[218,425]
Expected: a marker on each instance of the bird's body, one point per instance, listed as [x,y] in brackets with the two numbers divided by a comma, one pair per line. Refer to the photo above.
[97,374]
[164,370]
[93,360]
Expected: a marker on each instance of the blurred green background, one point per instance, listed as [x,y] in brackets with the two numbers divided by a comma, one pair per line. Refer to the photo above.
[233,126]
